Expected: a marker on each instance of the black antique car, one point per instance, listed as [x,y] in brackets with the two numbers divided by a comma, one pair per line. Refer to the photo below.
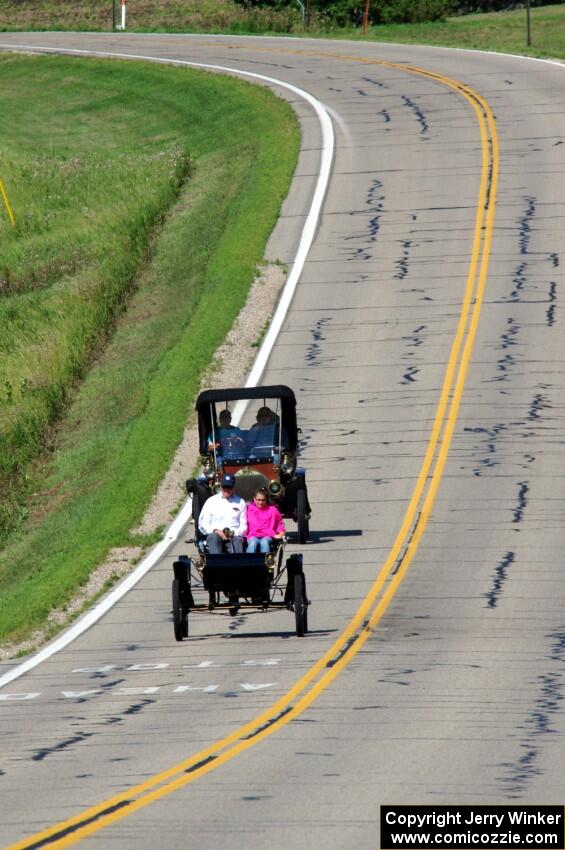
[251,433]
[238,582]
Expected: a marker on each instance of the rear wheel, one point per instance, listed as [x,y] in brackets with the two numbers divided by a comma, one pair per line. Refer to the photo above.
[306,604]
[180,619]
[300,605]
[302,517]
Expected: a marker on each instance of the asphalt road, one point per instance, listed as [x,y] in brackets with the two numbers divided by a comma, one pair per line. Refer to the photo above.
[426,325]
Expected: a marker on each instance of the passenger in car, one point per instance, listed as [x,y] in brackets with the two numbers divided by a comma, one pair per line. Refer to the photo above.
[263,434]
[264,523]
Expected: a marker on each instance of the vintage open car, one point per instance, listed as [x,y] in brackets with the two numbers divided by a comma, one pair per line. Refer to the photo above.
[251,433]
[238,583]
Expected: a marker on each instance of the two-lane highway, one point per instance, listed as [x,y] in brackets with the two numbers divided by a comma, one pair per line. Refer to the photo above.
[424,345]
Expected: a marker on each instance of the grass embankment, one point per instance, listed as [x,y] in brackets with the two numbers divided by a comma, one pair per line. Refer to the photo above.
[147,15]
[99,159]
[501,31]
[504,32]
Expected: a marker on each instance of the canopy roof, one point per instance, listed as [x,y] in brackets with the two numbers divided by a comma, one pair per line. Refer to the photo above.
[235,393]
[209,401]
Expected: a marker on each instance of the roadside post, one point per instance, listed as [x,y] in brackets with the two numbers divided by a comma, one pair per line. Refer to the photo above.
[366,17]
[122,26]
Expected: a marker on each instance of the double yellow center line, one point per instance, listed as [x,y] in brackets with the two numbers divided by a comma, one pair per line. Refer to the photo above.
[363,624]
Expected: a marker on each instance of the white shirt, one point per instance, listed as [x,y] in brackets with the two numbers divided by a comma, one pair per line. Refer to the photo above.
[218,512]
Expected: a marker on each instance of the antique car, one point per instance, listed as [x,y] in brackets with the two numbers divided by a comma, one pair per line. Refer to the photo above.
[252,434]
[236,582]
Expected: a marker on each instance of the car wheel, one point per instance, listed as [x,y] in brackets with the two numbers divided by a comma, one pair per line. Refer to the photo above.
[180,623]
[302,517]
[300,605]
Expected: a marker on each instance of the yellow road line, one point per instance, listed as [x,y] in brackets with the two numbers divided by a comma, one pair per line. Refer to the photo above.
[7,205]
[364,622]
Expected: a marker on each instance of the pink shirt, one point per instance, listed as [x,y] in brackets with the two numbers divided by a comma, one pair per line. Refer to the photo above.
[263,522]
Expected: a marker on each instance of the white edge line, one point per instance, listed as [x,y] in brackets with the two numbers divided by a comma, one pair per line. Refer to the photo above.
[173,532]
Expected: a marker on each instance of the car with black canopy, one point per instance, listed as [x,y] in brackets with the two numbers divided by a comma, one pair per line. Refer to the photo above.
[252,434]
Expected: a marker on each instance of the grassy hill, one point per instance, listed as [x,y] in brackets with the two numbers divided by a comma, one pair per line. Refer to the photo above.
[140,222]
[502,31]
[144,15]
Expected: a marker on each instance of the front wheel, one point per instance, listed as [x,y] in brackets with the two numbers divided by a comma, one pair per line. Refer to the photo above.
[300,605]
[302,517]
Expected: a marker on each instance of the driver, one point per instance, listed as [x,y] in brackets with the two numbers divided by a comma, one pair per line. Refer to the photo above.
[223,519]
[224,431]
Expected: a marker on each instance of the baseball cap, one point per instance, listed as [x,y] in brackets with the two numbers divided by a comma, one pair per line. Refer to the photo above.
[227,481]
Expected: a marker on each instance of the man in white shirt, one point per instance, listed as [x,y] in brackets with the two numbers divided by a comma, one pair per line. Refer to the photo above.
[221,513]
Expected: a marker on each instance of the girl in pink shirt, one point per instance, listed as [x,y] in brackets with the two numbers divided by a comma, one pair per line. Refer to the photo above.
[264,522]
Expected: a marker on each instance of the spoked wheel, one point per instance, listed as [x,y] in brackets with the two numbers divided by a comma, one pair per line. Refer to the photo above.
[302,517]
[300,605]
[180,620]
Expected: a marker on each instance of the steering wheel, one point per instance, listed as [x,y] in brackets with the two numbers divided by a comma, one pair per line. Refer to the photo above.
[233,443]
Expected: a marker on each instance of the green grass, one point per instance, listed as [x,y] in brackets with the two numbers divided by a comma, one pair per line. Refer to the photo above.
[188,268]
[500,31]
[146,15]
[504,32]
